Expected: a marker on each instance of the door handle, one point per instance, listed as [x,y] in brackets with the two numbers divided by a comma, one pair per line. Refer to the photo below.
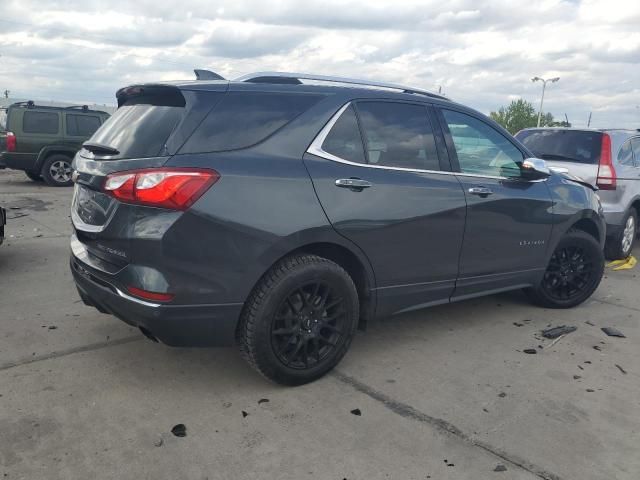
[355,184]
[483,192]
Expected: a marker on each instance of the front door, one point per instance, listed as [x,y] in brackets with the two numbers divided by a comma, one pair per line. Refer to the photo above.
[377,174]
[509,219]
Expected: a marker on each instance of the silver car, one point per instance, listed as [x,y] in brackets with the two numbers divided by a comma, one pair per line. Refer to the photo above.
[609,159]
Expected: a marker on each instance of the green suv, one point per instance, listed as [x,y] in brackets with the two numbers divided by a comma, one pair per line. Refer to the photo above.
[42,141]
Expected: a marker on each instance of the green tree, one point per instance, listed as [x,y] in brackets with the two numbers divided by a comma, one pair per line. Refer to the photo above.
[520,114]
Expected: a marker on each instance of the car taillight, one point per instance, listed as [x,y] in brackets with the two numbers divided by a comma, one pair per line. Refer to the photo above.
[173,188]
[11,142]
[607,177]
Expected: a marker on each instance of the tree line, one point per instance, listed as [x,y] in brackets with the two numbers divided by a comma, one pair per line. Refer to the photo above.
[521,114]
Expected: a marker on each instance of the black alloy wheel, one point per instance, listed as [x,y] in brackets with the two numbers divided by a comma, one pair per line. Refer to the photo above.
[574,272]
[308,325]
[299,320]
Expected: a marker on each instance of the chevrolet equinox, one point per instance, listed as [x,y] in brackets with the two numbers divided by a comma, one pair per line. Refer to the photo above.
[281,212]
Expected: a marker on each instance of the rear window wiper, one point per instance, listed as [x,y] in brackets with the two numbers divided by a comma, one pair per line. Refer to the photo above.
[553,156]
[99,148]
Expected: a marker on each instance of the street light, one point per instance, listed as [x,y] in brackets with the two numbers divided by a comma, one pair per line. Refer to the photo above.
[544,86]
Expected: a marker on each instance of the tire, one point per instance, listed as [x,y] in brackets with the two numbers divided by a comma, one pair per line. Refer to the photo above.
[621,245]
[56,171]
[289,317]
[33,176]
[573,274]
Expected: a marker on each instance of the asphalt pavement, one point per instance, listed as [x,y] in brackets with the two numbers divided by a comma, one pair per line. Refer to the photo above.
[444,393]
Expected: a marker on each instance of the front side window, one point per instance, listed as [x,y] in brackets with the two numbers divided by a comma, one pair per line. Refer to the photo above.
[40,122]
[481,149]
[625,155]
[344,140]
[398,135]
[82,125]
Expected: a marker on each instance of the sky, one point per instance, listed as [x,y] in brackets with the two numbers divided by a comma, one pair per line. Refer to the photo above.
[480,53]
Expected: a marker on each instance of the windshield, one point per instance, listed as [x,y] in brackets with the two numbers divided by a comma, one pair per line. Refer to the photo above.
[137,131]
[563,145]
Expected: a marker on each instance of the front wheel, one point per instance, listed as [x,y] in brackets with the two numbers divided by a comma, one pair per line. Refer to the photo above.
[573,274]
[57,171]
[299,320]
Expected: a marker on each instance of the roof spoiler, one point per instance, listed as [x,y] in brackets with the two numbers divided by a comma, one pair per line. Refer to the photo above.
[207,75]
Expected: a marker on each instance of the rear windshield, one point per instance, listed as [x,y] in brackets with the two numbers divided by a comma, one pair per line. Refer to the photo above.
[138,130]
[563,145]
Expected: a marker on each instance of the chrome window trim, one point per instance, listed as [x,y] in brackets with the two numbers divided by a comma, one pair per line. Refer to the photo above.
[316,149]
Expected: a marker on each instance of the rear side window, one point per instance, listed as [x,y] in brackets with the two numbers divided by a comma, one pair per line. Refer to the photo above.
[563,145]
[40,122]
[138,130]
[398,135]
[241,120]
[635,145]
[344,140]
[82,125]
[625,155]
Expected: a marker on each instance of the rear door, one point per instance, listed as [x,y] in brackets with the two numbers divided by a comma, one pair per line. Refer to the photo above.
[378,176]
[148,127]
[509,219]
[79,127]
[37,129]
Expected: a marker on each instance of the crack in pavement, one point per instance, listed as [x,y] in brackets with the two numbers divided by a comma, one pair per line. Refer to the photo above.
[633,309]
[407,411]
[70,351]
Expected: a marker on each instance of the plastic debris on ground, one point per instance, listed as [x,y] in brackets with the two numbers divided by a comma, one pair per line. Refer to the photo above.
[613,332]
[556,332]
[625,264]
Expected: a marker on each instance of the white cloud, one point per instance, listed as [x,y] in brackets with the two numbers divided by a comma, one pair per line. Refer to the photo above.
[483,53]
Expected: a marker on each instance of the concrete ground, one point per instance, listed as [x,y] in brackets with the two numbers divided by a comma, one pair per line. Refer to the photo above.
[445,393]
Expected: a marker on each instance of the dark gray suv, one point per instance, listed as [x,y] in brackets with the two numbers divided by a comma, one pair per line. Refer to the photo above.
[282,215]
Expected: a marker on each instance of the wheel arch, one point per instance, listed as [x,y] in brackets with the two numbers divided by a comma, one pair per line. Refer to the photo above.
[49,150]
[352,261]
[587,225]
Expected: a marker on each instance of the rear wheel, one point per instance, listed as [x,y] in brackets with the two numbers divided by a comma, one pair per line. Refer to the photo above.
[621,245]
[573,274]
[36,177]
[57,171]
[300,319]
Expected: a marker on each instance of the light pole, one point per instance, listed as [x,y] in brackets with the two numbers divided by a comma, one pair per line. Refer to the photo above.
[544,86]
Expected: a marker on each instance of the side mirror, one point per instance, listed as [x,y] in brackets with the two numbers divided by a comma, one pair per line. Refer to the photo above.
[535,169]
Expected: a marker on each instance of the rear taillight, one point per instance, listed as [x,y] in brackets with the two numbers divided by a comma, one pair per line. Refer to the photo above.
[607,177]
[11,142]
[173,188]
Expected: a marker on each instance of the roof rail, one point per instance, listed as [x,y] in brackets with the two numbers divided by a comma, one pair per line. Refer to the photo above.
[26,103]
[81,107]
[294,78]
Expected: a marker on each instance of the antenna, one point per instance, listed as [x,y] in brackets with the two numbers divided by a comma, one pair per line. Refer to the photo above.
[206,75]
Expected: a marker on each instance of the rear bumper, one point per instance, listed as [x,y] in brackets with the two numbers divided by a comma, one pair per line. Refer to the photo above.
[175,325]
[20,161]
[614,222]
